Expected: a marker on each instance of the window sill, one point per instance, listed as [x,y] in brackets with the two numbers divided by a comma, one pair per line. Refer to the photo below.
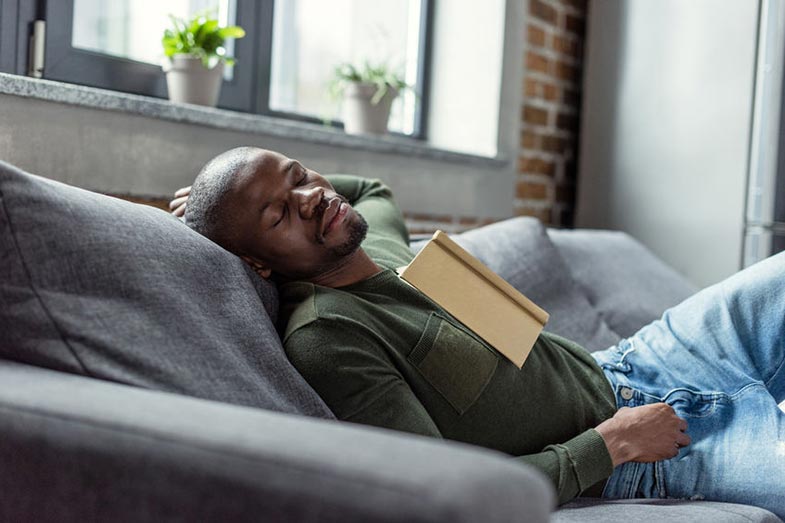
[103,99]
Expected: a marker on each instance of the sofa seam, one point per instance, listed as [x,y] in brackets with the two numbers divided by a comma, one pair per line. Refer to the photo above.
[32,287]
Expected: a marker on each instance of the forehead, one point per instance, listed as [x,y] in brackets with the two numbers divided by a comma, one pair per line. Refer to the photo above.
[264,162]
[261,181]
[262,169]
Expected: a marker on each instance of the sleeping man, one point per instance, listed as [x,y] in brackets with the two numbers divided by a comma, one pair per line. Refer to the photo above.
[687,407]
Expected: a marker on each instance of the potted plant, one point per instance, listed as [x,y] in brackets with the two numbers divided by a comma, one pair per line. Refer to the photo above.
[368,94]
[195,58]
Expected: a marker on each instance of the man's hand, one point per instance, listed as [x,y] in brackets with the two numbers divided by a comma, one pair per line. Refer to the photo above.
[647,433]
[177,205]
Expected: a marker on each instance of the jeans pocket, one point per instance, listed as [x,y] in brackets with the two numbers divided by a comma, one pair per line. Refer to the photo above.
[691,404]
[454,362]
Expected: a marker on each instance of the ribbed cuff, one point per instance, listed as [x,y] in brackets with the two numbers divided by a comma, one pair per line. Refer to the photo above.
[591,462]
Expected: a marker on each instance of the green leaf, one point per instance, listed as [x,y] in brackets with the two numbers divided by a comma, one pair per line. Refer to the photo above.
[381,90]
[378,74]
[232,31]
[206,30]
[212,42]
[179,26]
[200,36]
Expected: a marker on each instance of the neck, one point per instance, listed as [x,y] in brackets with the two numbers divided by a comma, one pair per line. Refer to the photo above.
[356,267]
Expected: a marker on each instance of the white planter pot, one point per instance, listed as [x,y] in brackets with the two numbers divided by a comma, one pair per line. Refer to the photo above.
[188,81]
[360,116]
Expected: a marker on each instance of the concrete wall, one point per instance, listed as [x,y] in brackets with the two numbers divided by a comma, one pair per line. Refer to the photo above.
[129,154]
[666,124]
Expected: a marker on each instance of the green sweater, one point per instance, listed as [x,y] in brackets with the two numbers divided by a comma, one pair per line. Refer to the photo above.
[381,353]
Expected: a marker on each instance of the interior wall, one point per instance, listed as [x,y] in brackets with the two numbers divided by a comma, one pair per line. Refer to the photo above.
[668,91]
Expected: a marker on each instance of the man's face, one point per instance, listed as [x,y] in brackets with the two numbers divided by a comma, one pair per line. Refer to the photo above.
[289,219]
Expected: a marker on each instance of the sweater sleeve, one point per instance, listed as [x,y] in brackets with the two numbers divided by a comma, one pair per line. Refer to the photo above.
[348,367]
[575,465]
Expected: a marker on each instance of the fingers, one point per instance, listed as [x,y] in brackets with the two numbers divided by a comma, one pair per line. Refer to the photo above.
[177,205]
[179,211]
[178,202]
[182,191]
[682,424]
[682,440]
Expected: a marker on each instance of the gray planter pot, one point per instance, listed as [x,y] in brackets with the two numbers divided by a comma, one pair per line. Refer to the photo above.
[360,116]
[188,81]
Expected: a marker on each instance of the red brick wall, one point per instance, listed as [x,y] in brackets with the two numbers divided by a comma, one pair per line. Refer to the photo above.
[545,185]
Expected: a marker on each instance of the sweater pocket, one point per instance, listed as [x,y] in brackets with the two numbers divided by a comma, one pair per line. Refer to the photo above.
[454,362]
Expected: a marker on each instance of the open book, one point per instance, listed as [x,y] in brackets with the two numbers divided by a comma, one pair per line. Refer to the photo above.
[476,296]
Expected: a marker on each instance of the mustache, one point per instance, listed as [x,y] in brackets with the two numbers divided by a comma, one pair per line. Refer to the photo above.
[320,209]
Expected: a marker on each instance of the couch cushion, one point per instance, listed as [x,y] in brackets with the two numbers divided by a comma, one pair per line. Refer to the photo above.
[520,251]
[589,510]
[67,450]
[98,286]
[623,280]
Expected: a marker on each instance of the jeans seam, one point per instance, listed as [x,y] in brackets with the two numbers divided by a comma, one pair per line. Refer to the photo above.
[632,482]
[659,479]
[745,389]
[736,331]
[779,368]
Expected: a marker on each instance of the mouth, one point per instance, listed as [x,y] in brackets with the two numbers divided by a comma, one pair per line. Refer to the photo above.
[333,215]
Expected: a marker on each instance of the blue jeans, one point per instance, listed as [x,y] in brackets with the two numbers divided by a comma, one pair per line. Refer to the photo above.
[718,359]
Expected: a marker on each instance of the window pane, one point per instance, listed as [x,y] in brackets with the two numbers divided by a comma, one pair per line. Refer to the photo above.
[133,28]
[311,37]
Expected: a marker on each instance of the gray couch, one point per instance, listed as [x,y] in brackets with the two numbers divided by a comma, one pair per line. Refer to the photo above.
[141,378]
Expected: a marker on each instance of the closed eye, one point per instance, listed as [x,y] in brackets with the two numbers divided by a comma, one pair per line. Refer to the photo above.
[303,179]
[283,215]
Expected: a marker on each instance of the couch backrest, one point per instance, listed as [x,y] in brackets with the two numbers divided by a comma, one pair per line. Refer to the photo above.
[98,286]
[627,284]
[520,251]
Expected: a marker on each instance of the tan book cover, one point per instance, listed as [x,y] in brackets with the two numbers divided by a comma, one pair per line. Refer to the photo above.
[478,297]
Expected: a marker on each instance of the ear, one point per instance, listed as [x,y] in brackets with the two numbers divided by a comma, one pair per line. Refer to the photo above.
[257,266]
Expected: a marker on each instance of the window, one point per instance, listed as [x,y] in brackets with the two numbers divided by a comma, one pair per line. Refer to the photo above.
[132,29]
[311,36]
[283,64]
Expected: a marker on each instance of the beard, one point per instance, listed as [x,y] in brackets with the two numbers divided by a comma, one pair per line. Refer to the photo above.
[357,231]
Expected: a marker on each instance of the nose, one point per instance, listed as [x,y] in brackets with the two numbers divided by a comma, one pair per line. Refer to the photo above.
[308,200]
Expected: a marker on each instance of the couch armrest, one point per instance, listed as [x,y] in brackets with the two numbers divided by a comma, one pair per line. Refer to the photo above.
[74,448]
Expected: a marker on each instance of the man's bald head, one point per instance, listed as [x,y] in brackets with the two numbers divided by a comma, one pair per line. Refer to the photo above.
[209,209]
[275,213]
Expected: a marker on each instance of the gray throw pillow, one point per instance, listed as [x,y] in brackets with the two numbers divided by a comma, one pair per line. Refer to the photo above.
[625,282]
[109,289]
[520,251]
